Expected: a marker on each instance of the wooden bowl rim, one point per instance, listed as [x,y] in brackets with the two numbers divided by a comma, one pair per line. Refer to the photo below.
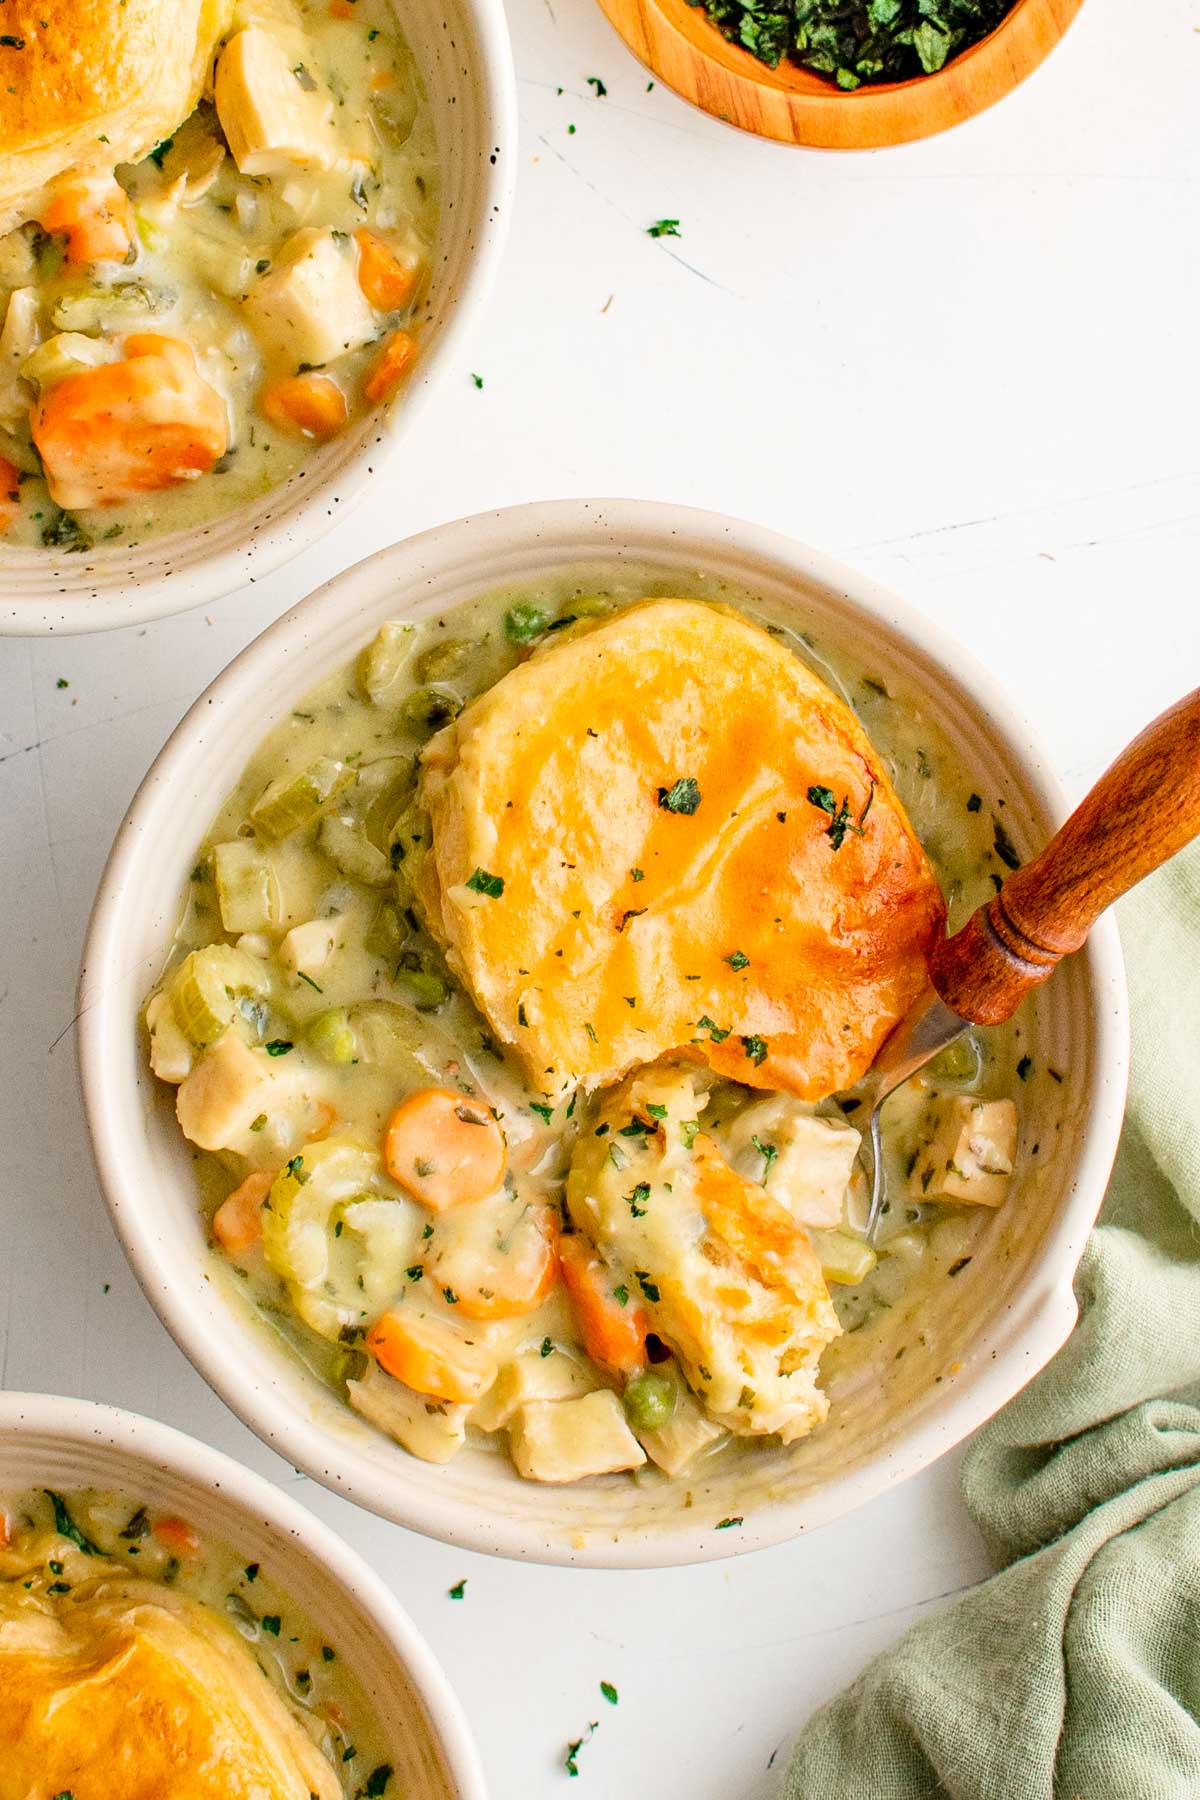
[681,46]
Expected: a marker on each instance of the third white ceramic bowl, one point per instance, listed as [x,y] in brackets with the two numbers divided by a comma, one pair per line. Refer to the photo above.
[463,53]
[48,1441]
[998,1323]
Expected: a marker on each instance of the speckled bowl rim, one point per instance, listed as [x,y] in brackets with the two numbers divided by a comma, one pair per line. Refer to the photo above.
[495,542]
[86,1425]
[300,512]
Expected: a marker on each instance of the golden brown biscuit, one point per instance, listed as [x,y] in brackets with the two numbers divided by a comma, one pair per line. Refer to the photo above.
[699,848]
[123,1687]
[87,84]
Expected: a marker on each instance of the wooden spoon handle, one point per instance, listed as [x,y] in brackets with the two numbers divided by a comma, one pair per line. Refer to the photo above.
[1144,810]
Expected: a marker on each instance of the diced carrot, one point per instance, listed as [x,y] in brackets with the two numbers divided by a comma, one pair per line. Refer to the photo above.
[518,1281]
[237,1222]
[129,427]
[382,78]
[94,214]
[392,363]
[429,1356]
[444,1148]
[614,1334]
[387,277]
[175,1535]
[5,1531]
[324,1121]
[10,493]
[312,405]
[340,9]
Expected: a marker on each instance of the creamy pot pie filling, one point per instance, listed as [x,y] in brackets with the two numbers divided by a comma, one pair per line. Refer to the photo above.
[181,328]
[138,1657]
[522,980]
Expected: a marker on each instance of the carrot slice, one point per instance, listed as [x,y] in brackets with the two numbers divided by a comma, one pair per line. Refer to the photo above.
[428,1355]
[176,1535]
[614,1333]
[10,493]
[519,1281]
[386,277]
[126,428]
[444,1148]
[313,406]
[94,214]
[237,1222]
[392,363]
[5,1531]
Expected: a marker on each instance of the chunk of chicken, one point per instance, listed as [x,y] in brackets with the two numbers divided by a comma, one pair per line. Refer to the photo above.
[309,308]
[125,428]
[274,114]
[802,1160]
[569,1440]
[971,1152]
[224,1093]
[434,1430]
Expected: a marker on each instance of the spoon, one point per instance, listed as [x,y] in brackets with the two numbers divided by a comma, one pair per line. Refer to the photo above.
[1140,813]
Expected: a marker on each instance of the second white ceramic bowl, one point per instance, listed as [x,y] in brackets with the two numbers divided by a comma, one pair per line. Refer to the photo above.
[48,1441]
[1001,1320]
[463,53]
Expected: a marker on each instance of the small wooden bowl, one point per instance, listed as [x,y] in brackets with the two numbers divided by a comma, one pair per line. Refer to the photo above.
[682,47]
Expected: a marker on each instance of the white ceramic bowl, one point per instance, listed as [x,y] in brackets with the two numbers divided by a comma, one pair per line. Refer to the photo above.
[463,52]
[48,1441]
[1001,1320]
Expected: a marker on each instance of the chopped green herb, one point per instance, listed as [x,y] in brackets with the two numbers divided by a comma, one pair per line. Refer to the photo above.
[478,380]
[621,1295]
[377,1781]
[483,883]
[312,984]
[1004,846]
[591,1031]
[688,1131]
[957,1268]
[1023,1068]
[327,1653]
[683,796]
[724,1524]
[637,874]
[571,1763]
[414,1271]
[160,151]
[768,1152]
[713,1029]
[975,804]
[756,1049]
[251,1571]
[449,1296]
[637,1199]
[458,1590]
[840,819]
[636,1128]
[547,1346]
[66,1527]
[648,1287]
[271,1622]
[594,81]
[609,1692]
[544,1112]
[62,682]
[279,1046]
[664,228]
[657,1112]
[738,960]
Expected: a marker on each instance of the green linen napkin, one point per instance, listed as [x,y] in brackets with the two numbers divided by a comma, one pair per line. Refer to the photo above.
[1074,1673]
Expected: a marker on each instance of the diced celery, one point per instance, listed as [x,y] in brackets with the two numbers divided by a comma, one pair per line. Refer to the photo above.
[959,1061]
[441,660]
[296,800]
[385,660]
[410,835]
[150,231]
[426,989]
[206,986]
[586,606]
[386,933]
[247,891]
[844,1259]
[348,848]
[386,788]
[66,353]
[427,710]
[331,1036]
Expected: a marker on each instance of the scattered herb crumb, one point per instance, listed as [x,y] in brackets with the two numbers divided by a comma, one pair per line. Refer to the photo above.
[1023,1068]
[664,228]
[683,795]
[570,1762]
[1003,845]
[478,380]
[724,1524]
[458,1590]
[975,803]
[62,682]
[594,81]
[483,883]
[610,1693]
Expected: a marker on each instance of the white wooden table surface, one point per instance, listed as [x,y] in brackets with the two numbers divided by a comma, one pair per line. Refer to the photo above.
[969,366]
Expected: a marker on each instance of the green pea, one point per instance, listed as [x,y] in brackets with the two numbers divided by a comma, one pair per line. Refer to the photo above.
[426,990]
[442,659]
[331,1037]
[524,622]
[649,1401]
[428,709]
